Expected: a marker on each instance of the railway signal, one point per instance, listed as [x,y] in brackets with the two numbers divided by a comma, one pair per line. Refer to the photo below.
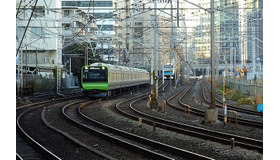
[155,78]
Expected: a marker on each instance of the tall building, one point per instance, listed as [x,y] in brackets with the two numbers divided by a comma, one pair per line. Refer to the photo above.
[136,32]
[102,13]
[255,30]
[39,50]
[229,31]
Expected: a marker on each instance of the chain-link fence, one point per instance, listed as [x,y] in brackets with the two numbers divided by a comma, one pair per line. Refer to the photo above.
[248,88]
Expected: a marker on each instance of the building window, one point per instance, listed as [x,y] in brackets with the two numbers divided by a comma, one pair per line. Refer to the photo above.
[67,26]
[106,27]
[37,32]
[69,3]
[47,57]
[66,13]
[39,11]
[103,15]
[88,3]
[19,32]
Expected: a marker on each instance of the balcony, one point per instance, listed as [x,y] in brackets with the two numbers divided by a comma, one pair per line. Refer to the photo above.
[66,20]
[67,33]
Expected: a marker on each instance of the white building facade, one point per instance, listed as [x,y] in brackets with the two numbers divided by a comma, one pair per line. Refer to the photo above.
[102,11]
[39,50]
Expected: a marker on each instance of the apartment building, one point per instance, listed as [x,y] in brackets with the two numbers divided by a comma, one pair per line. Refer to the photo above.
[39,50]
[102,17]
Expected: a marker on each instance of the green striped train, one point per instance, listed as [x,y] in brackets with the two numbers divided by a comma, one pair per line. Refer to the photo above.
[102,80]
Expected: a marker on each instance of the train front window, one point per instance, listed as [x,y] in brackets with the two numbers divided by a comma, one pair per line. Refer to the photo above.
[95,75]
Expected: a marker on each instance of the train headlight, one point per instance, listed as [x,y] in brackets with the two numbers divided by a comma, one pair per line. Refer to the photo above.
[103,67]
[86,68]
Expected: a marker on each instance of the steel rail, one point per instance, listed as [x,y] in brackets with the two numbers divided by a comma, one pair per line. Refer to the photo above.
[116,140]
[158,145]
[72,138]
[18,157]
[29,107]
[33,142]
[201,113]
[194,131]
[199,132]
[238,138]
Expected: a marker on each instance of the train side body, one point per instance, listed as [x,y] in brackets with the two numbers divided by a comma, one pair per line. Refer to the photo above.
[108,78]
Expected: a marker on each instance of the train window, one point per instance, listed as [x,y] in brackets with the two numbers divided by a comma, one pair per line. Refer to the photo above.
[114,76]
[111,77]
[96,75]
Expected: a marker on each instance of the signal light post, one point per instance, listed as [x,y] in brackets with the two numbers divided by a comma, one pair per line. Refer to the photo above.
[154,102]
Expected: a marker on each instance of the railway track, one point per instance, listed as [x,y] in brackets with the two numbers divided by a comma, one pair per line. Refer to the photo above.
[37,151]
[242,121]
[114,135]
[199,112]
[229,106]
[167,150]
[32,142]
[220,137]
[145,146]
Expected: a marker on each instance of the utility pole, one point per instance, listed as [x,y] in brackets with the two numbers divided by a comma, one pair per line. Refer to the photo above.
[59,53]
[70,67]
[126,33]
[20,74]
[185,51]
[177,13]
[172,44]
[154,103]
[86,49]
[253,47]
[231,61]
[213,57]
[102,50]
[36,60]
[234,59]
[211,115]
[155,49]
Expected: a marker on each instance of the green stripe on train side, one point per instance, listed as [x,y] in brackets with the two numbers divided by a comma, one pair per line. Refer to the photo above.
[102,86]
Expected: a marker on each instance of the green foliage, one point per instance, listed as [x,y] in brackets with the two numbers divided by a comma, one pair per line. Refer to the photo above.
[255,106]
[255,79]
[244,101]
[55,72]
[230,94]
[33,84]
[237,96]
[46,84]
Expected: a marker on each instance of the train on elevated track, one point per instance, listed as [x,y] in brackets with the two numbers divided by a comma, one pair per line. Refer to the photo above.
[103,80]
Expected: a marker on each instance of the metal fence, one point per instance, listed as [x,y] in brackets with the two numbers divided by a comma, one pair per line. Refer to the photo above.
[248,88]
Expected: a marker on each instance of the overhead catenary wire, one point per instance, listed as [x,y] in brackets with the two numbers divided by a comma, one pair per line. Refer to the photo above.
[147,27]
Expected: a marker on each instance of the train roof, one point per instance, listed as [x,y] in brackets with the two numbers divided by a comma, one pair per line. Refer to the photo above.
[116,67]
